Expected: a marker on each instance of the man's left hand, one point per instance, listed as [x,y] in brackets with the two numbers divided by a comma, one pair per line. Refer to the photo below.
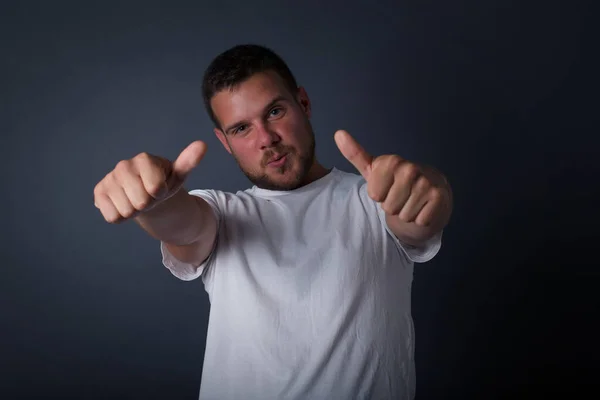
[406,191]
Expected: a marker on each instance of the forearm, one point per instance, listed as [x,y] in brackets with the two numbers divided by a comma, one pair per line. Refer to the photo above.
[179,220]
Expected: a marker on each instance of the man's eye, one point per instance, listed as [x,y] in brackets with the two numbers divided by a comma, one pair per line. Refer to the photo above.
[276,111]
[239,129]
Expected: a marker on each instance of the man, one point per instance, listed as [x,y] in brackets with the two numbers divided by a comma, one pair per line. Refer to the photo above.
[308,272]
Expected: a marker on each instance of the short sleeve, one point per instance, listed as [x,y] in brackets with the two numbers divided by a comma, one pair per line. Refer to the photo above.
[419,254]
[186,271]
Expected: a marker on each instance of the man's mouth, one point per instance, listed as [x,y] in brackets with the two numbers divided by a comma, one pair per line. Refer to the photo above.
[277,161]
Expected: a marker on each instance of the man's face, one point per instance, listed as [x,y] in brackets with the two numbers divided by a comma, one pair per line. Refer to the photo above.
[267,130]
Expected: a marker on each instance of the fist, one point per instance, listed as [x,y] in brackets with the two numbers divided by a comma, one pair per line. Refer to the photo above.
[406,191]
[139,184]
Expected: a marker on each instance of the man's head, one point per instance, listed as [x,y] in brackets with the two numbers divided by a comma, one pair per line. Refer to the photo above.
[260,114]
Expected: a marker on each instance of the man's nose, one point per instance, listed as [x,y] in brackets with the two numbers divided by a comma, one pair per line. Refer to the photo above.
[267,137]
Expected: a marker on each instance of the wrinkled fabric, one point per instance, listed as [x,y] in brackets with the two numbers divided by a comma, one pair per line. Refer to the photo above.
[310,295]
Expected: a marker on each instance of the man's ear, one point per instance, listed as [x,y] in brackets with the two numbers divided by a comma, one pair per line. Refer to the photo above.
[304,101]
[222,139]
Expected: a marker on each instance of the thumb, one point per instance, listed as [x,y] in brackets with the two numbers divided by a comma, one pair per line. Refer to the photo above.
[354,152]
[189,158]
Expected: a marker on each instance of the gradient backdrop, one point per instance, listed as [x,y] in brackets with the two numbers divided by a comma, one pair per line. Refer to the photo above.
[494,93]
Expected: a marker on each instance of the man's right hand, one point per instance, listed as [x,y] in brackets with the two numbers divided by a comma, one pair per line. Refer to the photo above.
[139,184]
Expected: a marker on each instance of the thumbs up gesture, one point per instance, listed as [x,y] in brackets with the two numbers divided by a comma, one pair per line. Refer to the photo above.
[407,192]
[139,184]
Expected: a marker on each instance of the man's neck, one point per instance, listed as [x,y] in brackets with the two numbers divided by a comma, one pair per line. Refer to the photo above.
[317,171]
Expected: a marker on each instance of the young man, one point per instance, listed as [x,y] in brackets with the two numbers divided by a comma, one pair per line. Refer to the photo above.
[308,272]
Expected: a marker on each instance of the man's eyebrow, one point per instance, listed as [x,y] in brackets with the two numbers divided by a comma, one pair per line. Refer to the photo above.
[236,125]
[266,108]
[273,102]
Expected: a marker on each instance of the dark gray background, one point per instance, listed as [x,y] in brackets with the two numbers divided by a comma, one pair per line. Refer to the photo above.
[494,93]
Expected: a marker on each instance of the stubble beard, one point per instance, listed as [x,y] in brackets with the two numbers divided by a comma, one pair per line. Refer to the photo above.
[263,180]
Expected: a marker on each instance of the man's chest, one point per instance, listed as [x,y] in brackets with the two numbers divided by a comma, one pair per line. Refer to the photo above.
[288,250]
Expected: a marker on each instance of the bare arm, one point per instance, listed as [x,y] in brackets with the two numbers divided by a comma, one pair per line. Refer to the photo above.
[185,223]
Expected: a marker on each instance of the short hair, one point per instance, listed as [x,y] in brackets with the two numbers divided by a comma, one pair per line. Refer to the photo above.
[236,65]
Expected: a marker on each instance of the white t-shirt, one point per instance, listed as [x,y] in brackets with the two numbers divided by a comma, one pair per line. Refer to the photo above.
[310,295]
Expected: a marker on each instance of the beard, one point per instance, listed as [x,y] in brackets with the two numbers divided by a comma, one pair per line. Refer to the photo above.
[306,160]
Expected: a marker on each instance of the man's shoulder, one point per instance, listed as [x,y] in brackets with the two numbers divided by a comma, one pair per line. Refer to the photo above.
[217,193]
[348,176]
[220,199]
[347,180]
